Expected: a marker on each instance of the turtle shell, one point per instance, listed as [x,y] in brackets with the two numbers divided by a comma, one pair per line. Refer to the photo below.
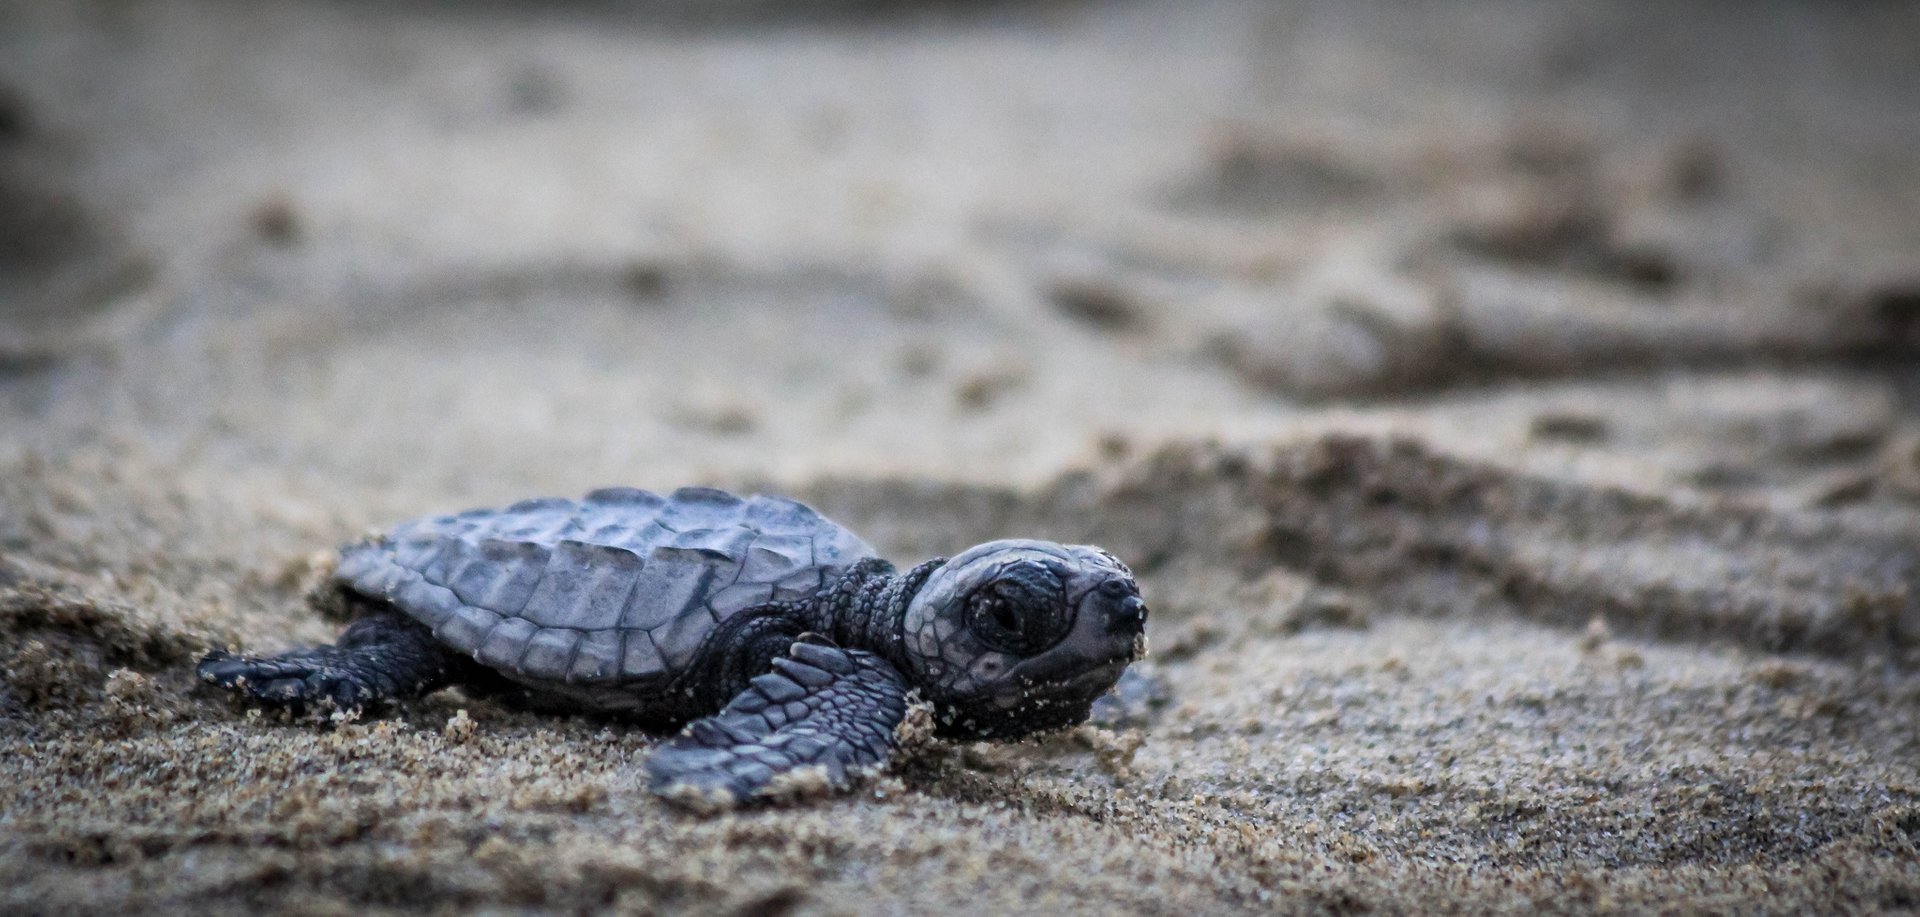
[619,587]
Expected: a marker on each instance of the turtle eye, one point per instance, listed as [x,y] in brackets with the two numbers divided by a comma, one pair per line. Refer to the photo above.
[1023,610]
[996,620]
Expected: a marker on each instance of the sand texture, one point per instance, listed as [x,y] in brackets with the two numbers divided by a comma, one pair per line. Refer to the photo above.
[1512,411]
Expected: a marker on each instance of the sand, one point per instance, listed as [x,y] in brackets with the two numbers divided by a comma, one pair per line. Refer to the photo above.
[1511,410]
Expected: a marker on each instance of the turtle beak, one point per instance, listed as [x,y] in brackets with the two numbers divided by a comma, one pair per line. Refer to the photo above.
[1108,632]
[1129,617]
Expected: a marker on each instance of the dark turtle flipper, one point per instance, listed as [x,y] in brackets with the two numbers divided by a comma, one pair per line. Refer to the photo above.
[382,657]
[823,717]
[1134,700]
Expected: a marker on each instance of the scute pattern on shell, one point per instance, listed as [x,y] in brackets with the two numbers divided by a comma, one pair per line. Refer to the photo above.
[621,585]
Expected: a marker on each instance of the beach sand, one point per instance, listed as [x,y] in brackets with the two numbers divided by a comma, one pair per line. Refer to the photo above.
[1511,410]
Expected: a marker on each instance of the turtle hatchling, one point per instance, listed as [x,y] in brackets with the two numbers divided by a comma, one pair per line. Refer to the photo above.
[788,650]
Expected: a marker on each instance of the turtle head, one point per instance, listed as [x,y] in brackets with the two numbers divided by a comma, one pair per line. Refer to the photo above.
[1016,636]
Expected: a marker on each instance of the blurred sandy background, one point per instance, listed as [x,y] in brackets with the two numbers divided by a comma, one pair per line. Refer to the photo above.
[1511,408]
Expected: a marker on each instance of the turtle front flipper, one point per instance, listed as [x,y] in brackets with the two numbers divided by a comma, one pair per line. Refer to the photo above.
[823,718]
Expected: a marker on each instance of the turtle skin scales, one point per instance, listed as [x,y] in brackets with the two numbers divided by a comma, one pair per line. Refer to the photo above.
[616,591]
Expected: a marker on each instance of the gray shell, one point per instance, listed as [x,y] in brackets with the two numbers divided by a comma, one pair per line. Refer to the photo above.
[621,586]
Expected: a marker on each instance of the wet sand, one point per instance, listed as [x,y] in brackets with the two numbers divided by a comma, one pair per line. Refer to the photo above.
[1511,412]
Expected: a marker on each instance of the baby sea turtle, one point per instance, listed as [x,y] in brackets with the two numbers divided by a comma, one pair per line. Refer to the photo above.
[787,647]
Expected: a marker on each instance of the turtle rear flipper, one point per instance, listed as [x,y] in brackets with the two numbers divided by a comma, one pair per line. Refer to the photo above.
[383,657]
[822,719]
